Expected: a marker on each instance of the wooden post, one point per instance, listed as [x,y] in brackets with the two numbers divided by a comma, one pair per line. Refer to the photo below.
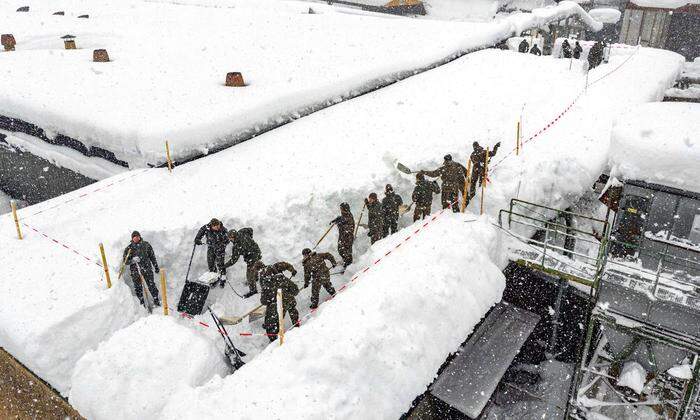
[467,182]
[14,215]
[105,266]
[517,139]
[280,316]
[163,292]
[167,154]
[483,180]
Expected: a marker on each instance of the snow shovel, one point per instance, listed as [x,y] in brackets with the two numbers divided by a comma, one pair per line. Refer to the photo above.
[403,209]
[233,355]
[238,319]
[364,206]
[323,237]
[144,290]
[403,168]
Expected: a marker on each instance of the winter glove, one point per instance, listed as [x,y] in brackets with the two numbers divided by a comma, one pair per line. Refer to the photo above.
[333,265]
[498,144]
[198,242]
[136,260]
[294,273]
[157,270]
[306,284]
[366,202]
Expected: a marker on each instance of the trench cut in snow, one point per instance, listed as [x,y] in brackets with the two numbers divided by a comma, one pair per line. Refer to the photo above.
[375,346]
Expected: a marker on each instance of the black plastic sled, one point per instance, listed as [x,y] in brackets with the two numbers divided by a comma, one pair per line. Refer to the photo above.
[194,296]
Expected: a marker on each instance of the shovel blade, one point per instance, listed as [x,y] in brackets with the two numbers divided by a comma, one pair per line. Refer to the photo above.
[403,168]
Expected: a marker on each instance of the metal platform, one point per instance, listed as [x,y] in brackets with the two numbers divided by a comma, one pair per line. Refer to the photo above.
[467,383]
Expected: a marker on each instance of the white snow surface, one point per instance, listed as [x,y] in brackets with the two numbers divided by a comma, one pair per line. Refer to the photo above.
[134,373]
[169,61]
[633,376]
[295,176]
[605,15]
[377,345]
[658,143]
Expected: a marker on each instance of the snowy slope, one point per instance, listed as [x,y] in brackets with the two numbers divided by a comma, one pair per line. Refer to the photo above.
[296,175]
[165,81]
[658,143]
[370,338]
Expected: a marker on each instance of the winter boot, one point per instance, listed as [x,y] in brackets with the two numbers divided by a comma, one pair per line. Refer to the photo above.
[250,293]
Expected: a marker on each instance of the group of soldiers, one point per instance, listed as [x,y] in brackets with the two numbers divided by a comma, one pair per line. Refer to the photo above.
[595,54]
[383,218]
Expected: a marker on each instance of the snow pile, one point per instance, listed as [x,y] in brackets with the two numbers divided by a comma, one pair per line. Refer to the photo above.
[683,372]
[382,339]
[606,15]
[658,143]
[140,367]
[633,376]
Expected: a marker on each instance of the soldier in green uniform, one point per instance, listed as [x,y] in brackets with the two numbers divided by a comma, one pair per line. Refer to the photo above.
[271,278]
[141,259]
[423,196]
[243,245]
[316,271]
[375,218]
[453,175]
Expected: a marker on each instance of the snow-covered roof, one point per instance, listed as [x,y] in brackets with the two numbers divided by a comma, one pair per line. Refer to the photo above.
[166,77]
[664,4]
[605,15]
[658,143]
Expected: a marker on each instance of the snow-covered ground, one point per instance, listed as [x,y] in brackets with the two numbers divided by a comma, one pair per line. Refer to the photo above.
[166,77]
[296,175]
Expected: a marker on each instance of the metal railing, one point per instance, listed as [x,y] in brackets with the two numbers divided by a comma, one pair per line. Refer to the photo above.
[555,242]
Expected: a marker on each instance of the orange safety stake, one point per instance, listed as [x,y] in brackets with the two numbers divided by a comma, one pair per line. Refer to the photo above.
[483,180]
[167,155]
[467,183]
[105,266]
[14,215]
[163,292]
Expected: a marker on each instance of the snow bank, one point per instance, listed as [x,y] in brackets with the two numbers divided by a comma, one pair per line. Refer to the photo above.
[133,374]
[166,77]
[658,143]
[377,345]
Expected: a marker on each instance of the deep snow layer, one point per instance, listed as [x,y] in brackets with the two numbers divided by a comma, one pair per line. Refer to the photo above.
[169,61]
[658,143]
[296,175]
[138,369]
[377,345]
